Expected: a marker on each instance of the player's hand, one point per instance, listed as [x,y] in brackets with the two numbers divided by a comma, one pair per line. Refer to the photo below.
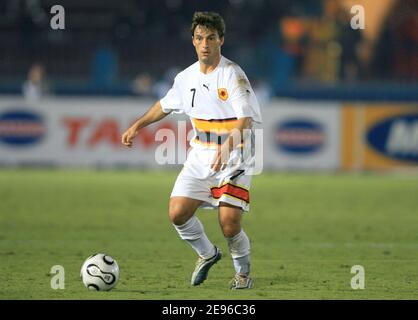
[221,159]
[128,136]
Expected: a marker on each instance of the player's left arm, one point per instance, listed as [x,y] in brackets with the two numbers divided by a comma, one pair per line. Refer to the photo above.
[240,100]
[232,141]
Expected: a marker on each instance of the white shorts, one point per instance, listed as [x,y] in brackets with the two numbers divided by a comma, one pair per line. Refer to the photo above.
[198,181]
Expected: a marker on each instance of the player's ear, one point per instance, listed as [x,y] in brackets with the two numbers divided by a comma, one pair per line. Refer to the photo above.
[222,39]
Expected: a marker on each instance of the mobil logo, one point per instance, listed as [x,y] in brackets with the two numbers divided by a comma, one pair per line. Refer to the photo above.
[21,127]
[395,137]
[300,136]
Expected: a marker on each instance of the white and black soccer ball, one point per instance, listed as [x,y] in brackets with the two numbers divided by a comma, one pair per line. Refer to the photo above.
[100,272]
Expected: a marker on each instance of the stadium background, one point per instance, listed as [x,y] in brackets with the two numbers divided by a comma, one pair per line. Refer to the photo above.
[340,144]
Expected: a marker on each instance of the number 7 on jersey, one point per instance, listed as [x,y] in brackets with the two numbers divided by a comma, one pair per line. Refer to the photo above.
[194,92]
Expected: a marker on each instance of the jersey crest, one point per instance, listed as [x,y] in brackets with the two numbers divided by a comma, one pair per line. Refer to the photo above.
[223,94]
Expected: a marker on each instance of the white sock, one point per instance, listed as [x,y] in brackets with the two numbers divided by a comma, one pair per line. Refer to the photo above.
[239,247]
[192,232]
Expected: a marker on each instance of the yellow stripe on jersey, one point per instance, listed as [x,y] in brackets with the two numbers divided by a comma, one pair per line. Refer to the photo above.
[219,126]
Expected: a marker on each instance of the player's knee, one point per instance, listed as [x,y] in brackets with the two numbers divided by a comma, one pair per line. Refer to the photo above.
[230,225]
[230,229]
[177,214]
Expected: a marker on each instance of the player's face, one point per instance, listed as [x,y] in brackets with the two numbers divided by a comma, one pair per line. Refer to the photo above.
[208,44]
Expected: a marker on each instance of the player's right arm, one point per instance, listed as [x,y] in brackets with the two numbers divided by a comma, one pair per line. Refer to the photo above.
[172,102]
[154,114]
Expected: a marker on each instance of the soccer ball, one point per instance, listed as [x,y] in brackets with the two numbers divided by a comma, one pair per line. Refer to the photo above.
[100,272]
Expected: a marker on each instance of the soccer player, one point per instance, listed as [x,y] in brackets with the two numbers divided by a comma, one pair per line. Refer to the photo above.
[217,96]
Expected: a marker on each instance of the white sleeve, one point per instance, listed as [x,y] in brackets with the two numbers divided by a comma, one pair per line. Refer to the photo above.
[243,99]
[172,101]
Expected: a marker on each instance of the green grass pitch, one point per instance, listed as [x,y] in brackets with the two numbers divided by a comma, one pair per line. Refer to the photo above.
[307,231]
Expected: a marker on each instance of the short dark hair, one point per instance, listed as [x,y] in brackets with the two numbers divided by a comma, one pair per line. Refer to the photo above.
[210,20]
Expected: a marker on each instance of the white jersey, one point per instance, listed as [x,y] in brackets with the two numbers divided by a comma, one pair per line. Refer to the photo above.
[213,101]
